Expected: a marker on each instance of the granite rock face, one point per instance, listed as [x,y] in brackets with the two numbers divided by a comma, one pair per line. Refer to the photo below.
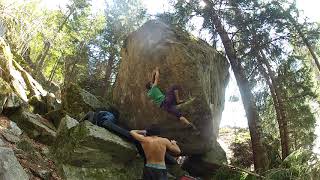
[193,64]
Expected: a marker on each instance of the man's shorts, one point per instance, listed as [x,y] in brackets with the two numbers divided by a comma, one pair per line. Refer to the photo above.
[150,173]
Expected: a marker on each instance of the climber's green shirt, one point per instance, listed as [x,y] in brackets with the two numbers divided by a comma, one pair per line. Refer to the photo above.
[156,95]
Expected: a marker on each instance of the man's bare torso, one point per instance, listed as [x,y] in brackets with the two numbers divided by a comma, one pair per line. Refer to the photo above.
[154,148]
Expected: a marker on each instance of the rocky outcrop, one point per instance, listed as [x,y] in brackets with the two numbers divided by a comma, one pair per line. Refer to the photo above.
[22,84]
[77,101]
[86,151]
[35,126]
[199,69]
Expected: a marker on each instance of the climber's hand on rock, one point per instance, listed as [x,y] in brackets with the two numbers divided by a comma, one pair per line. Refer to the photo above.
[173,142]
[143,132]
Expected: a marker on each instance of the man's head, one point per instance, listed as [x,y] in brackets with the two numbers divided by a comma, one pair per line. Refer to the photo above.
[148,85]
[114,111]
[154,130]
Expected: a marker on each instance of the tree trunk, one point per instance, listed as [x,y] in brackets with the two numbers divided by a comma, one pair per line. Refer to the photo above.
[283,124]
[107,82]
[272,83]
[53,71]
[277,102]
[40,59]
[261,161]
[26,57]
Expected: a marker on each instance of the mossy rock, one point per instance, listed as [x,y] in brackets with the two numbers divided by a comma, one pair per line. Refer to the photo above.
[37,106]
[5,90]
[77,102]
[55,116]
[130,171]
[86,151]
[35,126]
[87,145]
[66,124]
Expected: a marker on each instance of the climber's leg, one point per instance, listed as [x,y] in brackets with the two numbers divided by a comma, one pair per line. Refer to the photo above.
[172,95]
[117,130]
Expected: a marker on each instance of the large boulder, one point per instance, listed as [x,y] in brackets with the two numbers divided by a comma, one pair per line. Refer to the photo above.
[184,60]
[35,126]
[86,151]
[77,101]
[9,166]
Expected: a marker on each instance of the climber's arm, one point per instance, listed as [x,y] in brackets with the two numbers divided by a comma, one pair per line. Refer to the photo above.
[136,134]
[172,146]
[156,76]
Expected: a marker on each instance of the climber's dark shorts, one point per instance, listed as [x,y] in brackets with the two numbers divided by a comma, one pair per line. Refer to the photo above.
[170,102]
[150,173]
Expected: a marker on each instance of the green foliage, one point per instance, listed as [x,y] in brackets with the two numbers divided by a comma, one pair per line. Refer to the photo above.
[296,80]
[227,173]
[301,164]
[71,44]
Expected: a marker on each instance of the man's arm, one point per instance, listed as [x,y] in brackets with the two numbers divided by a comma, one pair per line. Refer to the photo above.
[172,146]
[136,134]
[156,76]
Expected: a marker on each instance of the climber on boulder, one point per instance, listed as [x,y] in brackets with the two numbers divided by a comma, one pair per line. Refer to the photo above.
[155,148]
[107,118]
[167,101]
